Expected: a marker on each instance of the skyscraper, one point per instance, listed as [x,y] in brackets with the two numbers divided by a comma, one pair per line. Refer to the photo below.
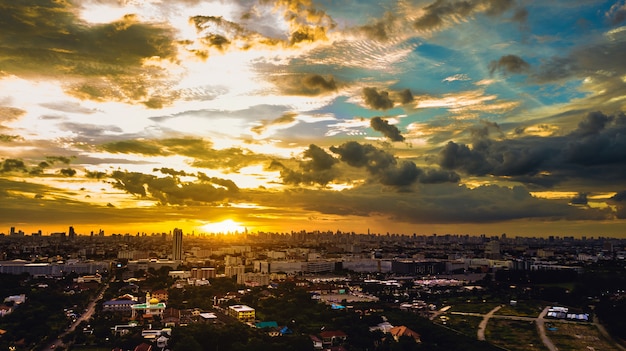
[177,249]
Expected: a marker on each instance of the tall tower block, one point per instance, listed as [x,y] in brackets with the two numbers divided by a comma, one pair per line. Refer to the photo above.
[177,249]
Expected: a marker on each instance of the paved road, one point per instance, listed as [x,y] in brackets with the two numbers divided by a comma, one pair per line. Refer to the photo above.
[539,320]
[541,327]
[89,311]
[483,324]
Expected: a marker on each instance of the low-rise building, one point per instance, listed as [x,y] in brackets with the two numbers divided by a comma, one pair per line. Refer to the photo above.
[118,306]
[242,312]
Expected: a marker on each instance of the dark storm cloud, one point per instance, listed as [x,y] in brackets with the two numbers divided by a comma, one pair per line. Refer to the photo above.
[95,174]
[390,131]
[226,183]
[286,118]
[364,155]
[437,203]
[595,143]
[315,168]
[595,151]
[69,172]
[509,64]
[305,84]
[498,7]
[170,190]
[461,157]
[404,174]
[437,176]
[12,165]
[593,123]
[5,138]
[217,41]
[557,68]
[201,151]
[34,168]
[306,24]
[218,32]
[8,113]
[48,39]
[317,159]
[385,168]
[600,63]
[170,171]
[579,199]
[377,100]
[55,159]
[619,201]
[40,205]
[133,147]
[520,15]
[617,13]
[405,96]
[439,12]
[88,131]
[382,29]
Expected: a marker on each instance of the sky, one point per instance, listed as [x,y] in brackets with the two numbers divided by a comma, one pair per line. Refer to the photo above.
[400,116]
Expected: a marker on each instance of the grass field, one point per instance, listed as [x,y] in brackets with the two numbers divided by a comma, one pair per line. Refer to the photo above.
[522,309]
[467,325]
[474,307]
[577,336]
[514,335]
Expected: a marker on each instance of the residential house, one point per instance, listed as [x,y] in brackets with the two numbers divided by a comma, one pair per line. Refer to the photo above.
[161,295]
[317,342]
[143,347]
[333,338]
[402,330]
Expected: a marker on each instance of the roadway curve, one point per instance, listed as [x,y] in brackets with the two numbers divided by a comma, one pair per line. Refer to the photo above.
[483,324]
[541,327]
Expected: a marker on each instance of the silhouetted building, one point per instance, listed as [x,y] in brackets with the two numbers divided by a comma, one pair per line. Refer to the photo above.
[492,250]
[177,249]
[418,267]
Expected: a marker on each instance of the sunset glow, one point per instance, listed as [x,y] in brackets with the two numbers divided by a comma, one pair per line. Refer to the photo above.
[385,116]
[227,226]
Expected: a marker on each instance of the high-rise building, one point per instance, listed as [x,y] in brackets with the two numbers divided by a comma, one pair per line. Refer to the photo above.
[177,249]
[492,250]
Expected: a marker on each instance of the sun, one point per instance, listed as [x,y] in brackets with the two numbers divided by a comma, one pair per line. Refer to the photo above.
[224,227]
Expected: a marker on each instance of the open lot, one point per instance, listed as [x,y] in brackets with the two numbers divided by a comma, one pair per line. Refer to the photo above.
[522,309]
[578,336]
[514,335]
[467,325]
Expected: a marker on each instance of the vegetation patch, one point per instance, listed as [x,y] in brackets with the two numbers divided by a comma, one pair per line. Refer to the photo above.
[514,335]
[466,325]
[522,309]
[474,307]
[577,336]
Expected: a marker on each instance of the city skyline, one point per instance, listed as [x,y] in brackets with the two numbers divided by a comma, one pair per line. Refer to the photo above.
[464,117]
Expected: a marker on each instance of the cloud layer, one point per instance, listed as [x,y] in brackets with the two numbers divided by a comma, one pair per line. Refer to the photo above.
[283,114]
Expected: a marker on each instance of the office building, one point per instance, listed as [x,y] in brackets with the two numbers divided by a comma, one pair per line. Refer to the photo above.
[177,249]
